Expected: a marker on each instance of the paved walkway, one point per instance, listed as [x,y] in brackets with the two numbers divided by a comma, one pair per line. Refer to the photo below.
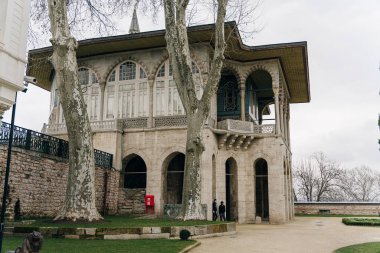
[303,235]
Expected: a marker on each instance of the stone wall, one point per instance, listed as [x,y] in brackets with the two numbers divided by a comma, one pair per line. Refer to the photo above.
[131,201]
[356,208]
[40,180]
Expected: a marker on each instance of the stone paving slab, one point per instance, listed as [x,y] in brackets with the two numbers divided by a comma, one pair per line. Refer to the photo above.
[303,235]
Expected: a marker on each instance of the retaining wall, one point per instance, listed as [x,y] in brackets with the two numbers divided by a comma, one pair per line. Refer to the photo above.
[357,208]
[40,180]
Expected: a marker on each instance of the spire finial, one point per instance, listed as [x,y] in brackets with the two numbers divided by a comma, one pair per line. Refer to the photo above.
[134,28]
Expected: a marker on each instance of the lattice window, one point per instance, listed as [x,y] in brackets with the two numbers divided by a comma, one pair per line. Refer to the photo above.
[143,99]
[110,102]
[112,77]
[167,100]
[160,97]
[142,74]
[127,71]
[94,79]
[131,91]
[170,70]
[161,72]
[230,97]
[83,75]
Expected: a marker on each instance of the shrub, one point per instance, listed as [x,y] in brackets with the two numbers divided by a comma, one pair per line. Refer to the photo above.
[361,222]
[184,234]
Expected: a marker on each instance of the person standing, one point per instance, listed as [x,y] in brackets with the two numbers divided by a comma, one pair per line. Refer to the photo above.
[214,210]
[222,211]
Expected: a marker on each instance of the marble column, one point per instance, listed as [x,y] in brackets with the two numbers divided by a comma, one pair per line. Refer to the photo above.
[102,86]
[242,102]
[150,119]
[277,109]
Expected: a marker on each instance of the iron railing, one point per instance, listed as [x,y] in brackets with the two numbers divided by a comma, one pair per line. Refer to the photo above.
[39,142]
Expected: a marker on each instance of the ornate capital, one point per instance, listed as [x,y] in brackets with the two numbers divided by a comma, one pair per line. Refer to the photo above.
[3,108]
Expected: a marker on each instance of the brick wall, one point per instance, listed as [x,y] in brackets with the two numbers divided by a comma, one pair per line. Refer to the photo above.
[40,180]
[337,208]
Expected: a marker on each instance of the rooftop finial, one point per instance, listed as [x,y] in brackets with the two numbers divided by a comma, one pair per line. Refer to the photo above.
[134,28]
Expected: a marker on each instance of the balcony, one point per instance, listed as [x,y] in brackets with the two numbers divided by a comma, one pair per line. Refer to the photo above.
[232,134]
[236,134]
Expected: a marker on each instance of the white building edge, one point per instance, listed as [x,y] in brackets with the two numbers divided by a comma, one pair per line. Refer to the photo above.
[14,20]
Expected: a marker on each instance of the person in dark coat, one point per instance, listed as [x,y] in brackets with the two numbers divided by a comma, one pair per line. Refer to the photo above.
[214,210]
[222,211]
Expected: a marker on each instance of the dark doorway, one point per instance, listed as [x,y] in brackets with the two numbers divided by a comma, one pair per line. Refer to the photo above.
[174,177]
[231,190]
[134,173]
[262,199]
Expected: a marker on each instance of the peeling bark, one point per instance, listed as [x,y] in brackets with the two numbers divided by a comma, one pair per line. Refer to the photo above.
[80,193]
[196,110]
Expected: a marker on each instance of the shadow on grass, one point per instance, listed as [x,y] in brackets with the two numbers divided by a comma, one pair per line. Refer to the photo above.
[51,245]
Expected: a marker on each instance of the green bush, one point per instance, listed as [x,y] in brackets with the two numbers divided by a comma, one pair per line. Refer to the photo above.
[361,222]
[184,234]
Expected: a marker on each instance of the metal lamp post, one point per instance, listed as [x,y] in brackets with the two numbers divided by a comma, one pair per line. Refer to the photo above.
[7,170]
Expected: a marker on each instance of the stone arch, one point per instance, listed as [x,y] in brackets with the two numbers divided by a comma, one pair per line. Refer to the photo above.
[264,156]
[263,67]
[92,68]
[141,153]
[233,69]
[165,58]
[134,172]
[173,173]
[231,176]
[200,64]
[122,60]
[158,65]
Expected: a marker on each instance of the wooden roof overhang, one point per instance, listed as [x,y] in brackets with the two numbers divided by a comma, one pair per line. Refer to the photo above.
[292,56]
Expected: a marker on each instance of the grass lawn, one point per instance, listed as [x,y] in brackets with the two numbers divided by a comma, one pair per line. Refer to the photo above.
[119,222]
[361,221]
[371,247]
[51,245]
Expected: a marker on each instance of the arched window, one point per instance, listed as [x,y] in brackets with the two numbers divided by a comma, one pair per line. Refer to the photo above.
[166,98]
[128,83]
[91,91]
[135,173]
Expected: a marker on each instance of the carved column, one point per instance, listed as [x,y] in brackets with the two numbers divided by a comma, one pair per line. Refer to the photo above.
[277,109]
[281,105]
[242,102]
[102,86]
[150,119]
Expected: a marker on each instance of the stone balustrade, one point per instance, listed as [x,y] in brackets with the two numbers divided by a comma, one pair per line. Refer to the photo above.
[236,126]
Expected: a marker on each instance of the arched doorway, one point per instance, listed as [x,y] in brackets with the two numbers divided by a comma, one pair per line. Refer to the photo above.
[174,179]
[134,172]
[262,198]
[231,189]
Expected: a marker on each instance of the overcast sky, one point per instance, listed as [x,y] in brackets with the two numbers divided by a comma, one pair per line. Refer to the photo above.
[343,39]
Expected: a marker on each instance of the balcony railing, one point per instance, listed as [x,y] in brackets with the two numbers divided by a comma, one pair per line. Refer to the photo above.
[39,142]
[167,121]
[245,127]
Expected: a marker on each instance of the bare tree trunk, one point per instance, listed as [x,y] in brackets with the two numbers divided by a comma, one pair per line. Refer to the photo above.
[197,111]
[80,193]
